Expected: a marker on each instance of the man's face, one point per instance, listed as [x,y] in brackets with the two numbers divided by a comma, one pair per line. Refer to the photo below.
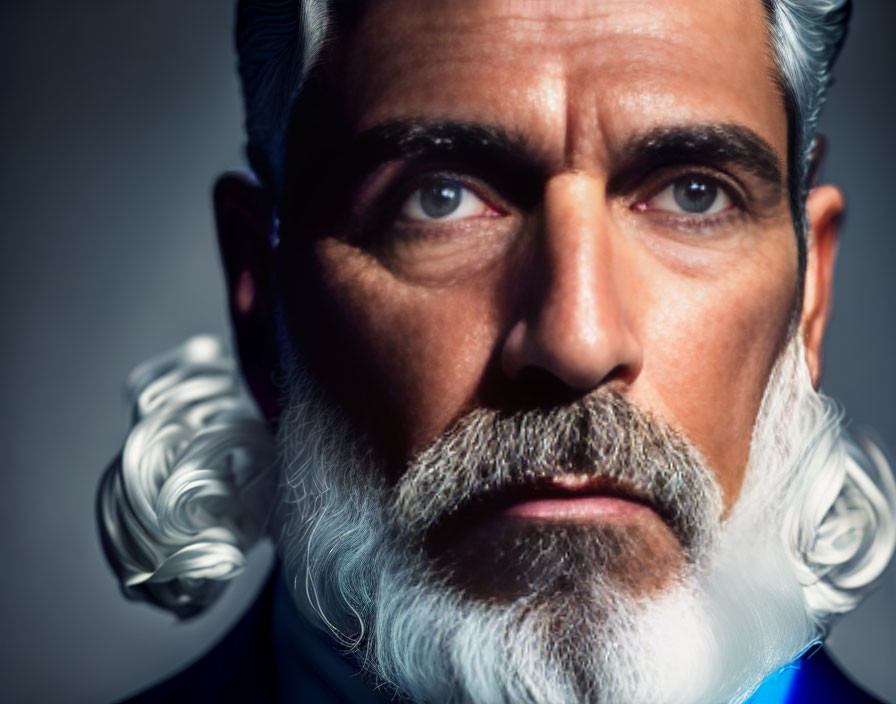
[558,199]
[535,275]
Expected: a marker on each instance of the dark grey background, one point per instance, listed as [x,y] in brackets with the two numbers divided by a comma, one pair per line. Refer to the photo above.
[116,116]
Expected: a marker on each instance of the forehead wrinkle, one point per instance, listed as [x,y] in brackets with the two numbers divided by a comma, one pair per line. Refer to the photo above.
[644,93]
[424,95]
[576,20]
[580,99]
[573,24]
[528,26]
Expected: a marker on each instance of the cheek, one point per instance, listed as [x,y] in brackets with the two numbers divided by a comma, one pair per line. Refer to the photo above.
[408,360]
[412,357]
[713,347]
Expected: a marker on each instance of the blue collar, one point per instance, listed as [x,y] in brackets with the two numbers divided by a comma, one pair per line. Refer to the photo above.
[780,686]
[810,679]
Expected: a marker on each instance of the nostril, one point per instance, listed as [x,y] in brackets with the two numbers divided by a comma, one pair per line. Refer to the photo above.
[535,387]
[543,365]
[623,373]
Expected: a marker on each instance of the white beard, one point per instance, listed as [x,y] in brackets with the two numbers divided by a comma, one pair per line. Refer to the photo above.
[730,619]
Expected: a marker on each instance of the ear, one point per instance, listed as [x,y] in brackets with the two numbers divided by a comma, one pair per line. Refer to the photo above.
[244,217]
[824,208]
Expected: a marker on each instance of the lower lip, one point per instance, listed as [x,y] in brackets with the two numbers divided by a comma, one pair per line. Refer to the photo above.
[585,509]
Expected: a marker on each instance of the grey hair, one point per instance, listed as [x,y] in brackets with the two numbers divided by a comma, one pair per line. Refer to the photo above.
[279,41]
[189,494]
[194,490]
[807,36]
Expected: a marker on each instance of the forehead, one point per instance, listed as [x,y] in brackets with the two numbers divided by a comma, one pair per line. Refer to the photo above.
[572,74]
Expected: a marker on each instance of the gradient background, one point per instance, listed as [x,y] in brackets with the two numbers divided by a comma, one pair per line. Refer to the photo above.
[116,116]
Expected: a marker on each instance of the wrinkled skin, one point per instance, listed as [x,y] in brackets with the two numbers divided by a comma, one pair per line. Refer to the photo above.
[571,271]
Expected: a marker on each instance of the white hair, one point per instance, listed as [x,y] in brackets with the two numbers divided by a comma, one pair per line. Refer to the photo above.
[194,486]
[198,450]
[769,590]
[190,492]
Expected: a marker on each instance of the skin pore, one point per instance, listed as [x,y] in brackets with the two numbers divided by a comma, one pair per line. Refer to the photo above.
[543,200]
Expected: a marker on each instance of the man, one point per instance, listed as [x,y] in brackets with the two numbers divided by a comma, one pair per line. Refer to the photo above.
[532,295]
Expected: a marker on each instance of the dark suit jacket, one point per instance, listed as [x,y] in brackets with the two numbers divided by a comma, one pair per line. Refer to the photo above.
[272,656]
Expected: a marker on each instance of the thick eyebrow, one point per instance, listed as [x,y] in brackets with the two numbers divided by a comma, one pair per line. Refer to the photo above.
[504,152]
[701,144]
[461,141]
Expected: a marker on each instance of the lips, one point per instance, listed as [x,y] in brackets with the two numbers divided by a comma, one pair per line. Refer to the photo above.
[561,490]
[580,498]
[548,535]
[563,499]
[598,460]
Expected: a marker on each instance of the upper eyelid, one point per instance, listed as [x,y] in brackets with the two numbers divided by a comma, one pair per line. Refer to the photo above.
[403,186]
[728,147]
[476,193]
[502,187]
[411,175]
[632,176]
[380,206]
[732,186]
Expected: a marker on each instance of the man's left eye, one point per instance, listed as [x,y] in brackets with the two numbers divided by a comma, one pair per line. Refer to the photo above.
[443,198]
[691,194]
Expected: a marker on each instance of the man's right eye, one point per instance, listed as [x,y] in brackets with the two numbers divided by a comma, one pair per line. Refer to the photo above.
[443,198]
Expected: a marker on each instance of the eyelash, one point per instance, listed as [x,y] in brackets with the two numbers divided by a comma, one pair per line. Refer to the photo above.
[388,200]
[464,182]
[729,185]
[390,203]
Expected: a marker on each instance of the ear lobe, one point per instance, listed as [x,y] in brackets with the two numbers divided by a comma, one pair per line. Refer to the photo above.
[244,217]
[824,207]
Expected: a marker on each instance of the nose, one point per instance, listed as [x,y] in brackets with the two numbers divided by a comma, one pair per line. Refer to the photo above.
[574,322]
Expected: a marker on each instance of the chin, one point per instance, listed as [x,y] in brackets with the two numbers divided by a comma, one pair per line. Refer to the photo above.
[505,559]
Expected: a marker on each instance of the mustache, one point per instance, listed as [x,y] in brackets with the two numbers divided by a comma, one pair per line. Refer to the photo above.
[603,440]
